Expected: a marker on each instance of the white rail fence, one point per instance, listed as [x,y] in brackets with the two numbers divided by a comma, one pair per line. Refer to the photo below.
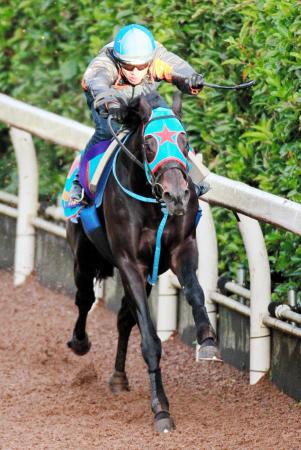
[251,205]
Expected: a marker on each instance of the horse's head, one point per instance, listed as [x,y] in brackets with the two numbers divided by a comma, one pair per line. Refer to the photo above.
[165,151]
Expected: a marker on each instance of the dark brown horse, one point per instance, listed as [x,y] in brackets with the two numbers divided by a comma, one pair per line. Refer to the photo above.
[128,241]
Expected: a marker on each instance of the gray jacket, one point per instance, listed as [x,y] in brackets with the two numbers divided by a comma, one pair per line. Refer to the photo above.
[103,78]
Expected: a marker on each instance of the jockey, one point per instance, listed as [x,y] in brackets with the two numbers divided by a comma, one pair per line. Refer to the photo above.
[133,64]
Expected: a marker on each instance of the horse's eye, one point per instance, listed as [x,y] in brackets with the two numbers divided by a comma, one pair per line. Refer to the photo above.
[183,144]
[151,148]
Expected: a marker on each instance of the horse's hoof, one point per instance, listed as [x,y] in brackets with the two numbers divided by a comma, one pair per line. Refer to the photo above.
[119,382]
[79,347]
[208,352]
[164,425]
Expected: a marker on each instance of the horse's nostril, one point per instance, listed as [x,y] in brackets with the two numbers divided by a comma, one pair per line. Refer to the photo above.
[167,197]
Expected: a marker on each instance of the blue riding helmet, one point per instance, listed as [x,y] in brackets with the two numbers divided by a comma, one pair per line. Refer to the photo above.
[134,44]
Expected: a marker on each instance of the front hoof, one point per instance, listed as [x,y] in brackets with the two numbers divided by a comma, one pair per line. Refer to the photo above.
[208,351]
[79,347]
[164,425]
[119,382]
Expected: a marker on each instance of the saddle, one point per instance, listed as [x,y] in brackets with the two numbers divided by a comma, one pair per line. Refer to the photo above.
[93,168]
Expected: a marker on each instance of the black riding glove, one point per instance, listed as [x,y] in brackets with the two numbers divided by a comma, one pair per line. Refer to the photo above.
[189,85]
[116,111]
[195,82]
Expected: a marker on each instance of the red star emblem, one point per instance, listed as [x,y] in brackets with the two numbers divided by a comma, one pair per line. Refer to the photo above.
[166,135]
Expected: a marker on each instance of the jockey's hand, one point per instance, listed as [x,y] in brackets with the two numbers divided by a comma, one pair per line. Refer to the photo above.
[116,111]
[192,84]
[195,82]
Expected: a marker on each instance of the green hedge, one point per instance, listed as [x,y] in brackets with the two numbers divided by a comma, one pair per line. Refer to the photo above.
[252,136]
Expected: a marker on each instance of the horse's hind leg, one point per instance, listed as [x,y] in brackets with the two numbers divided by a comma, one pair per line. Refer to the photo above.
[84,299]
[125,322]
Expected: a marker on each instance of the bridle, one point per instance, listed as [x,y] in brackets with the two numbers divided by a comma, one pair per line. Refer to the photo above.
[153,179]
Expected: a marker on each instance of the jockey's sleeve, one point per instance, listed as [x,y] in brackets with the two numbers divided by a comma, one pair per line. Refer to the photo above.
[100,74]
[171,68]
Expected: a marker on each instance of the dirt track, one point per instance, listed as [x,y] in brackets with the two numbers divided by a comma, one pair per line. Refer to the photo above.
[51,399]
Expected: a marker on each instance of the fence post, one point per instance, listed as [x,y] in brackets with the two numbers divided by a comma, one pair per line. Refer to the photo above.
[260,287]
[27,204]
[167,307]
[208,259]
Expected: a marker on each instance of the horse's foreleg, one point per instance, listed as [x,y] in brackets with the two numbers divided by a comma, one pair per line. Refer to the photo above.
[84,299]
[134,285]
[184,265]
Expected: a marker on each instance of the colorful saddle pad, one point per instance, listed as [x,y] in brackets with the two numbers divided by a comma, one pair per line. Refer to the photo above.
[89,162]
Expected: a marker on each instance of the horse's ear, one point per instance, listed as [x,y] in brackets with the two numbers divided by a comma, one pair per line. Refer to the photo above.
[138,110]
[144,109]
[177,103]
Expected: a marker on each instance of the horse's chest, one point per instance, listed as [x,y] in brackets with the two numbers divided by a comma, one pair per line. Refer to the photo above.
[147,241]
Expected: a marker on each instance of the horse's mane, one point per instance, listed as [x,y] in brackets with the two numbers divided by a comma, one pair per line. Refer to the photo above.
[153,99]
[134,114]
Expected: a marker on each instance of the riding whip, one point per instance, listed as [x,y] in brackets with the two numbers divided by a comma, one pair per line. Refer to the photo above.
[236,86]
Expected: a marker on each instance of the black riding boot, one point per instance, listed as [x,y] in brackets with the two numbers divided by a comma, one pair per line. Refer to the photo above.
[202,188]
[76,194]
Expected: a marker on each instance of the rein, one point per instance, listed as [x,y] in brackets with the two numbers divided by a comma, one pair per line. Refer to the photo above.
[121,144]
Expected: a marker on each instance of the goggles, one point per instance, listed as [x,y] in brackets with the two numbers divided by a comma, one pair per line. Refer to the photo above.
[131,67]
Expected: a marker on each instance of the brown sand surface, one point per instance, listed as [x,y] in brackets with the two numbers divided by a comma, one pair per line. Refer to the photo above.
[52,399]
